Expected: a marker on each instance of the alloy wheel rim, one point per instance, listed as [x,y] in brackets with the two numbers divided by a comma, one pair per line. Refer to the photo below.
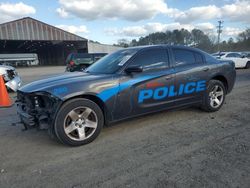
[80,123]
[216,96]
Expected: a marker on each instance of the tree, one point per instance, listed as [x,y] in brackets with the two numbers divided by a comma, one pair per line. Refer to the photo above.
[244,36]
[123,43]
[201,40]
[195,38]
[133,43]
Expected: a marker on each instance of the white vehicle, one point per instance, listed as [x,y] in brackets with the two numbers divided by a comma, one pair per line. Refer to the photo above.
[247,54]
[12,80]
[239,60]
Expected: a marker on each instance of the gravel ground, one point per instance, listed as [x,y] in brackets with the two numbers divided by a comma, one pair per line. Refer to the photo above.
[182,148]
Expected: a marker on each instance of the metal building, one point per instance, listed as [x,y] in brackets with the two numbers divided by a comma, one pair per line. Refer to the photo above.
[28,35]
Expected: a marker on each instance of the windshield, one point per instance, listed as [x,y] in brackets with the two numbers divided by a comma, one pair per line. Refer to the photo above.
[112,63]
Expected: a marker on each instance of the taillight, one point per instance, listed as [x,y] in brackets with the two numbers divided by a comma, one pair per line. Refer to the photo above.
[72,63]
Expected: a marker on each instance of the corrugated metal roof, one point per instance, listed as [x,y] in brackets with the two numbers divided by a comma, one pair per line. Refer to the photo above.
[32,29]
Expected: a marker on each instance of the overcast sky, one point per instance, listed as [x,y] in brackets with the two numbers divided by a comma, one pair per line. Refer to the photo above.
[108,20]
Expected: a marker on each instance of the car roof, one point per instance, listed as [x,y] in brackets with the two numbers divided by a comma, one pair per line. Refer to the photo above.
[164,46]
[76,53]
[230,52]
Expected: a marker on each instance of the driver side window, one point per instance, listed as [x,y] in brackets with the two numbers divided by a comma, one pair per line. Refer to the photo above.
[151,59]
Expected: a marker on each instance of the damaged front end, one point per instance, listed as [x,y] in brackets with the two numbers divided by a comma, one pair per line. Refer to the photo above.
[37,109]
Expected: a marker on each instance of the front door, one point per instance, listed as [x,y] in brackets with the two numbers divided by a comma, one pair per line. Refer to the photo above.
[149,90]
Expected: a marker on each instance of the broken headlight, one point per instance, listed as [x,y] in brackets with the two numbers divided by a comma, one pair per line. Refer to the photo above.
[43,100]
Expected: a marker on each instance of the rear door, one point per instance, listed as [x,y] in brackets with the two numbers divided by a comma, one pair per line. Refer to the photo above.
[147,90]
[191,75]
[237,59]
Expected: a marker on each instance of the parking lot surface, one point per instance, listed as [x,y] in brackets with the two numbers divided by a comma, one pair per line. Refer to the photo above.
[181,148]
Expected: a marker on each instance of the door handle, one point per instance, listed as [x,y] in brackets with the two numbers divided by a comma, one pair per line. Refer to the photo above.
[206,69]
[169,77]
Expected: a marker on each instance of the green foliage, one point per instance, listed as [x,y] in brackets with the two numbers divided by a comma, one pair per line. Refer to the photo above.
[195,38]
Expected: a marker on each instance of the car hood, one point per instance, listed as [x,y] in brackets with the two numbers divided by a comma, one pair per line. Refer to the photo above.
[65,79]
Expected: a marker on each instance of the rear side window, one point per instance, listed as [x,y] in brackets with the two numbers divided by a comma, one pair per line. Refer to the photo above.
[198,58]
[183,57]
[210,59]
[152,59]
[234,55]
[187,57]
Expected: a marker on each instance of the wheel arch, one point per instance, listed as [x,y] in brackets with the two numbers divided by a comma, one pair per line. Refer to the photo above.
[223,79]
[96,100]
[247,64]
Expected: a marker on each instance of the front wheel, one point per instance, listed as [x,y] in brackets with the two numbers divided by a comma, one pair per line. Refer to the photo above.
[78,122]
[214,96]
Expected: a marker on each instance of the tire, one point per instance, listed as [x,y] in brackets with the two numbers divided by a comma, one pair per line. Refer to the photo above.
[210,104]
[248,65]
[83,68]
[78,122]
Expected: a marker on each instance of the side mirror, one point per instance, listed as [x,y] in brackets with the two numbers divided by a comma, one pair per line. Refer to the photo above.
[133,69]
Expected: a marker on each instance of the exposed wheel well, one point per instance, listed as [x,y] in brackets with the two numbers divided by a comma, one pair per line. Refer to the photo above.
[96,100]
[248,64]
[223,80]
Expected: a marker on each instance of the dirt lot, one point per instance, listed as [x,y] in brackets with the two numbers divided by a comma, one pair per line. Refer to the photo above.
[183,148]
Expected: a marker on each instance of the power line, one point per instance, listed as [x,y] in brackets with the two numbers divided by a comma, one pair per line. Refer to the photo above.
[219,31]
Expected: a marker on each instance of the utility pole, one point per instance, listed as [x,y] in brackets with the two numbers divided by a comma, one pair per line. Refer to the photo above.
[219,31]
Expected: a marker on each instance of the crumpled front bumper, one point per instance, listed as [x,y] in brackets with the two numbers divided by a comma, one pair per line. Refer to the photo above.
[14,84]
[37,109]
[25,117]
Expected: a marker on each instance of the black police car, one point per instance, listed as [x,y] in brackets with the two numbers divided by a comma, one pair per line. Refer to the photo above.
[128,83]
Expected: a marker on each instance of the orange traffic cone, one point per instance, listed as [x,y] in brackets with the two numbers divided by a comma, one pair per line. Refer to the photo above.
[4,97]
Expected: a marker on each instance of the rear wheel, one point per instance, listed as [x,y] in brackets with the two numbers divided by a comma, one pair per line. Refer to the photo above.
[214,97]
[78,122]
